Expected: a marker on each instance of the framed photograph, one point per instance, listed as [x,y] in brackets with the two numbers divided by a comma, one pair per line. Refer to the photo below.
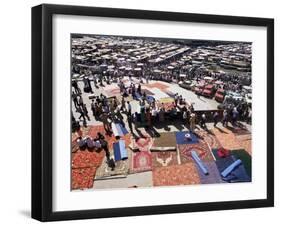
[145,112]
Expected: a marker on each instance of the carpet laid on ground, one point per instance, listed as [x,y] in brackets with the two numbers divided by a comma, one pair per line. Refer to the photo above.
[226,138]
[200,148]
[140,161]
[165,140]
[84,131]
[184,174]
[84,159]
[239,130]
[82,178]
[143,143]
[209,138]
[164,158]
[245,158]
[213,176]
[239,174]
[182,139]
[157,85]
[246,142]
[105,172]
[110,139]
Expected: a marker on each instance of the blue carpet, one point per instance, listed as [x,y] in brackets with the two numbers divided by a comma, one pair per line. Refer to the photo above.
[181,139]
[239,174]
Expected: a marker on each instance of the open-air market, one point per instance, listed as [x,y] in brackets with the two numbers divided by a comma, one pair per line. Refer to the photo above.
[159,112]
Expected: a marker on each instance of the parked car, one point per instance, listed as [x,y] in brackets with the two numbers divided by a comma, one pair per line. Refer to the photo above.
[199,89]
[186,85]
[219,96]
[209,91]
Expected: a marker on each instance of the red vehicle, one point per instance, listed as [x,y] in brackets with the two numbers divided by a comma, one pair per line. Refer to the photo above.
[199,89]
[209,91]
[219,96]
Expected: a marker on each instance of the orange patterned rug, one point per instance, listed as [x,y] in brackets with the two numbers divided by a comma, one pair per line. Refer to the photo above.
[84,159]
[82,178]
[246,142]
[226,138]
[158,85]
[176,175]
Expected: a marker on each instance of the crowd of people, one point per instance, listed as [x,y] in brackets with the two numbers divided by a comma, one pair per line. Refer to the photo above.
[151,112]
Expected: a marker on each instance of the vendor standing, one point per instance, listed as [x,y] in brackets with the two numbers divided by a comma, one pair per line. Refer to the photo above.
[192,121]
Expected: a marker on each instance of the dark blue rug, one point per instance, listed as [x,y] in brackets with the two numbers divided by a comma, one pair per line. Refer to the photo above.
[181,139]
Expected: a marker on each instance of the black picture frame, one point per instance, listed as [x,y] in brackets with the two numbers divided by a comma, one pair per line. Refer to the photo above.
[42,197]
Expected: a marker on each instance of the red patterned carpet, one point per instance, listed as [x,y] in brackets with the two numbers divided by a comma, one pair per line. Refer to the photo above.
[158,85]
[141,161]
[83,178]
[110,139]
[164,158]
[143,143]
[84,159]
[84,162]
[201,149]
[175,175]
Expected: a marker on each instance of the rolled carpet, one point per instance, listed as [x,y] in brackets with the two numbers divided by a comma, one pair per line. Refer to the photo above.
[199,162]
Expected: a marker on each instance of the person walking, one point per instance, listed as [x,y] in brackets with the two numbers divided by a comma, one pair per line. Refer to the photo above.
[82,115]
[235,114]
[192,121]
[129,108]
[203,121]
[76,87]
[85,110]
[93,108]
[130,122]
[216,118]
[224,118]
[75,101]
[123,104]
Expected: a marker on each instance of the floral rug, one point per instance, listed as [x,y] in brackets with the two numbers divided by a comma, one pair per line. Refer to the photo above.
[201,148]
[140,161]
[143,143]
[184,174]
